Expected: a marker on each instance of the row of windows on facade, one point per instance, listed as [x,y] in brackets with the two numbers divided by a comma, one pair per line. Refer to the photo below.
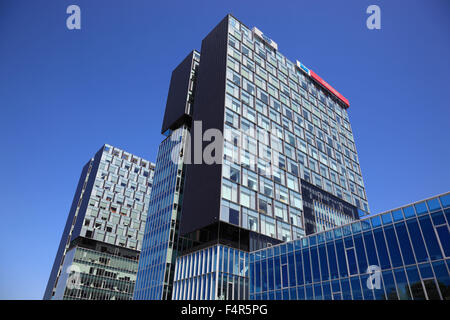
[410,237]
[110,153]
[406,285]
[286,70]
[245,132]
[333,151]
[289,102]
[274,57]
[317,161]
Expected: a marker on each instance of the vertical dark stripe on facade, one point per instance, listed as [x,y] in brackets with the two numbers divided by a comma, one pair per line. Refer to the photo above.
[175,112]
[201,202]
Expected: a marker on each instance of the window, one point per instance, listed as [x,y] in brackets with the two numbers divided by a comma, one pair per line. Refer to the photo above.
[265,205]
[250,179]
[229,190]
[248,198]
[231,171]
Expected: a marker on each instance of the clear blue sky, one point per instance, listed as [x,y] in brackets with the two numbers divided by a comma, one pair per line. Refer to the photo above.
[65,93]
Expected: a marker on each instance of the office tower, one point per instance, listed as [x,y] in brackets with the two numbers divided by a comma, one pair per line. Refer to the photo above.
[407,248]
[159,251]
[287,164]
[99,250]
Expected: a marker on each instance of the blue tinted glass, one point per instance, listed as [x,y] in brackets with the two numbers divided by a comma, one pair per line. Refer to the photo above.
[376,221]
[356,227]
[389,285]
[394,251]
[445,200]
[335,286]
[387,218]
[352,261]
[323,262]
[346,292]
[284,275]
[305,242]
[329,235]
[421,208]
[276,250]
[409,212]
[315,264]
[397,214]
[405,245]
[346,230]
[283,249]
[341,258]
[258,276]
[430,238]
[337,296]
[293,293]
[301,293]
[298,244]
[360,253]
[271,282]
[370,249]
[317,292]
[382,250]
[438,218]
[309,292]
[348,242]
[367,293]
[444,236]
[277,269]
[312,240]
[299,267]
[290,247]
[356,288]
[416,240]
[320,238]
[402,284]
[306,266]
[443,278]
[425,270]
[337,233]
[365,224]
[334,274]
[326,291]
[415,283]
[434,204]
[291,266]
[264,281]
[285,293]
[278,295]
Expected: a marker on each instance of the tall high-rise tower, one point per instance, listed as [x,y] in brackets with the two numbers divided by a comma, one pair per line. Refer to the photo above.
[285,165]
[99,250]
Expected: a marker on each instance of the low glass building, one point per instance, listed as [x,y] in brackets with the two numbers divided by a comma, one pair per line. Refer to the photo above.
[214,273]
[401,254]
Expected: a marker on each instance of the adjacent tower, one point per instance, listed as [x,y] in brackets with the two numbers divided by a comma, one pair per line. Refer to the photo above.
[99,250]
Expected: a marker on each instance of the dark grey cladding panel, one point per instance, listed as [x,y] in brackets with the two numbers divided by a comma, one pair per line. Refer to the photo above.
[177,97]
[201,200]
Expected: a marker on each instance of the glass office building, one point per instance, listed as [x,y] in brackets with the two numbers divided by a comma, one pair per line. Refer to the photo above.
[401,254]
[157,261]
[213,273]
[99,250]
[287,167]
[160,247]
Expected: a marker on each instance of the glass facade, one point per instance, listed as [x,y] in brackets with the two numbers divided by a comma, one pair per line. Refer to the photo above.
[160,249]
[283,131]
[214,273]
[401,254]
[106,223]
[157,261]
